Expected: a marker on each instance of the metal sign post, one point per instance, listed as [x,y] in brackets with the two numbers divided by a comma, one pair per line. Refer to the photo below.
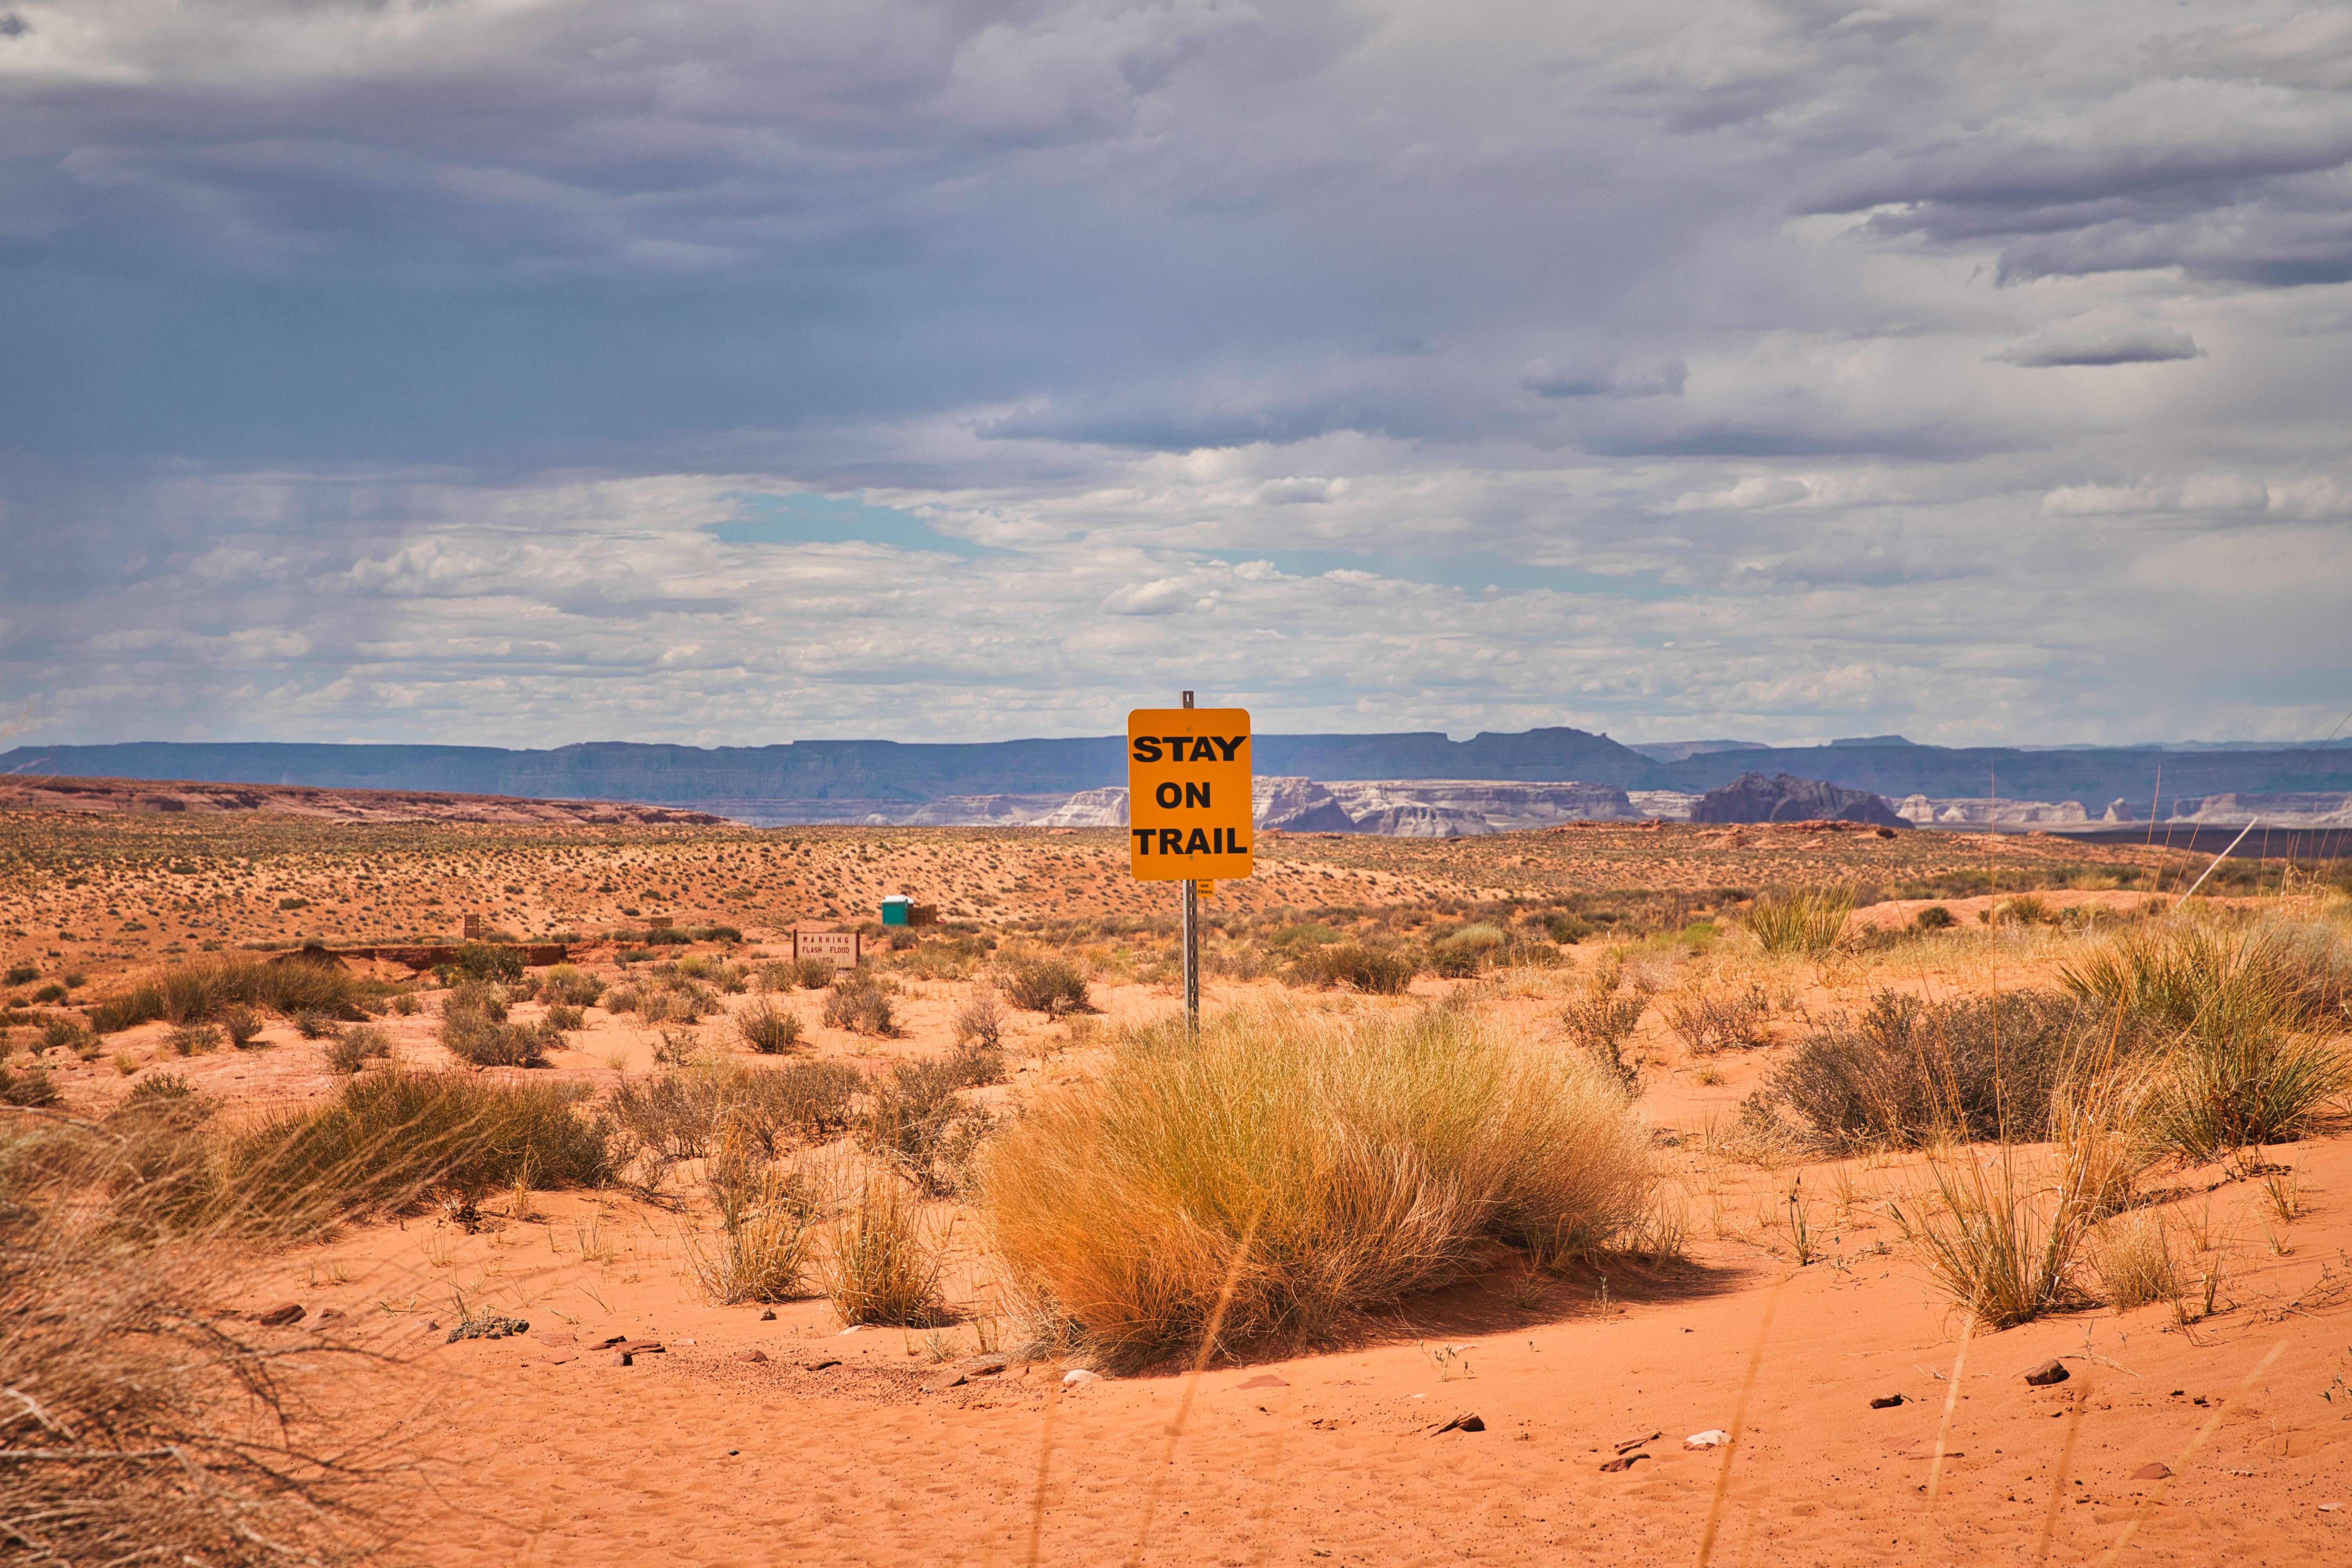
[1188,810]
[1191,945]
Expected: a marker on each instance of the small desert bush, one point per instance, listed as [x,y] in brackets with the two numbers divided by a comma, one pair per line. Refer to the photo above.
[858,1002]
[1807,922]
[765,1249]
[243,1024]
[312,1024]
[354,1048]
[980,1022]
[475,1030]
[1360,966]
[564,1017]
[391,1136]
[813,973]
[192,1039]
[1468,950]
[2243,1010]
[1601,1021]
[486,960]
[883,1260]
[1322,1167]
[694,1111]
[1052,986]
[204,987]
[769,1029]
[915,1119]
[2133,1255]
[1721,1020]
[571,987]
[2004,1247]
[30,1087]
[1908,1072]
[63,1033]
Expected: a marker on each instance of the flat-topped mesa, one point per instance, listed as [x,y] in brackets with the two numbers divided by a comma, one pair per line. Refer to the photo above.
[1752,797]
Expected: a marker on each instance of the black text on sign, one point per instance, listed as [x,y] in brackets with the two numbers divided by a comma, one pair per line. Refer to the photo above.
[1188,793]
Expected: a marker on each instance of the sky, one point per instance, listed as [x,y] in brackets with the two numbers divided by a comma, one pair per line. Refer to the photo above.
[526,372]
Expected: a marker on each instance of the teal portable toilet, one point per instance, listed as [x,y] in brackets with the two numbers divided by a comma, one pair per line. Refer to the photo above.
[895,907]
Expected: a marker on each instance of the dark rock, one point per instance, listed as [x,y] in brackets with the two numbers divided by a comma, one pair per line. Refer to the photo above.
[1627,1463]
[491,1328]
[1465,1421]
[1784,797]
[623,1358]
[279,1317]
[768,1316]
[2048,1373]
[1886,1403]
[820,1365]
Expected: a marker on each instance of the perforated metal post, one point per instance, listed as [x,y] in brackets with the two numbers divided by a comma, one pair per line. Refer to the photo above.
[1192,944]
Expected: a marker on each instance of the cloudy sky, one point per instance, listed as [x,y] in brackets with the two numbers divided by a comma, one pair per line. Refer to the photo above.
[522,372]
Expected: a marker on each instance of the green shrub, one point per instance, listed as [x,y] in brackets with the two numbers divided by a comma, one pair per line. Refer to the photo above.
[63,1033]
[1374,971]
[1935,917]
[563,1018]
[206,987]
[486,960]
[1361,1161]
[914,1118]
[813,973]
[572,986]
[31,1086]
[354,1048]
[192,1039]
[1054,986]
[475,1030]
[393,1136]
[857,1003]
[1908,1072]
[1808,921]
[769,1029]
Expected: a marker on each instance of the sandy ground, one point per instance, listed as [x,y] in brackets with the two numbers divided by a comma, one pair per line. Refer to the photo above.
[844,1448]
[750,1439]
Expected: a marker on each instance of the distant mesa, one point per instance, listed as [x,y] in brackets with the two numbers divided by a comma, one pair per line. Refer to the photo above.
[1784,797]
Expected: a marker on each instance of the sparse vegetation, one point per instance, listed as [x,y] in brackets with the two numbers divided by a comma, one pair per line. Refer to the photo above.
[1376,971]
[769,1029]
[859,1004]
[1359,1162]
[206,987]
[883,1258]
[1808,921]
[354,1048]
[1054,986]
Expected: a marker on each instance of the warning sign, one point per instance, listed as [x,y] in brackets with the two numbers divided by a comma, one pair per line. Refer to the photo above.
[1188,793]
[838,948]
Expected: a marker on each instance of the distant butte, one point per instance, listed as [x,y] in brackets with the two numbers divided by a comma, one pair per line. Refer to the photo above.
[35,793]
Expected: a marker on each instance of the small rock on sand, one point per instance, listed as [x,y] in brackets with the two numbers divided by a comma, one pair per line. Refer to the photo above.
[1713,1438]
[279,1317]
[756,1357]
[1266,1380]
[1078,1377]
[2048,1373]
[2154,1470]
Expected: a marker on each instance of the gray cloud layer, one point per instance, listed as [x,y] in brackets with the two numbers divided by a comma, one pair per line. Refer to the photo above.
[432,368]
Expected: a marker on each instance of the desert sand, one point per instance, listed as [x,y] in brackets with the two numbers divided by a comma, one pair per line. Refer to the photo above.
[764,1436]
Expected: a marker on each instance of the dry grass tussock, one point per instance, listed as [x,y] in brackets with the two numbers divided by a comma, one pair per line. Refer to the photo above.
[141,1426]
[206,988]
[1366,1157]
[2247,1012]
[884,1256]
[1808,921]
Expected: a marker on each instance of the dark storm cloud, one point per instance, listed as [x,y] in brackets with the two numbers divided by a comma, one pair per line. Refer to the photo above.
[439,368]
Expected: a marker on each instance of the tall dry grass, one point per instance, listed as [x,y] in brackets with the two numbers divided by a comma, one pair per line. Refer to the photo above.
[203,988]
[1372,1156]
[2247,1012]
[141,1425]
[884,1256]
[1808,921]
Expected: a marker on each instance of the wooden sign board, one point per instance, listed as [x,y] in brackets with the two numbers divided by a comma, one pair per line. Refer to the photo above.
[1188,793]
[838,948]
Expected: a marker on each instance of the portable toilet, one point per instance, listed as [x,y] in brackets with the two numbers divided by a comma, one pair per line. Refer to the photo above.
[894,909]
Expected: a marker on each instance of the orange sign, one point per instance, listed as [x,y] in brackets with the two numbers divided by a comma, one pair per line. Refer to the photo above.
[1188,793]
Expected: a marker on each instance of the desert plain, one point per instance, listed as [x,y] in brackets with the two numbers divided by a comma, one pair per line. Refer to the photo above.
[665,1351]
